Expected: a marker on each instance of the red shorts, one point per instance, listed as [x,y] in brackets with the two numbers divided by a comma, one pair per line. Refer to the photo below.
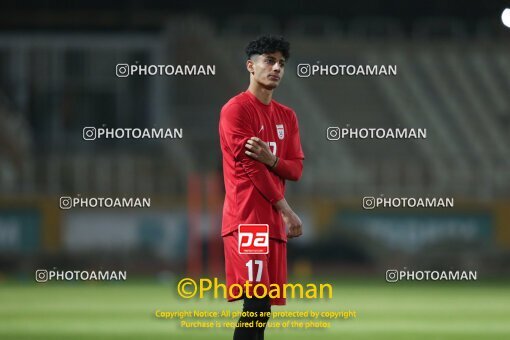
[264,269]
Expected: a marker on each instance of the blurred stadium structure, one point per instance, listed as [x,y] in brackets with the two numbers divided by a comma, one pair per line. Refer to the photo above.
[452,80]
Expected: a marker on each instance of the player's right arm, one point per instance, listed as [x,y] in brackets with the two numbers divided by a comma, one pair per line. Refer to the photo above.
[235,124]
[290,168]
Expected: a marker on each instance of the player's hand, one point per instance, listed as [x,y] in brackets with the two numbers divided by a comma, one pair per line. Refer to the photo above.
[259,150]
[293,222]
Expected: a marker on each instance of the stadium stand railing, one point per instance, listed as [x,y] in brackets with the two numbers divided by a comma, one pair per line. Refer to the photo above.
[453,90]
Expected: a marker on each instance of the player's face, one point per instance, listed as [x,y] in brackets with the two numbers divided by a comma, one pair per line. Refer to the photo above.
[267,69]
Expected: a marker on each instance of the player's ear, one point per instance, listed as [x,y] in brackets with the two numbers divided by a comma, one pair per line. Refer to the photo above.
[249,66]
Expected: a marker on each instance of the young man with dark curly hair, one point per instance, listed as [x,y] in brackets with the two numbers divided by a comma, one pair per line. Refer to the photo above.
[261,149]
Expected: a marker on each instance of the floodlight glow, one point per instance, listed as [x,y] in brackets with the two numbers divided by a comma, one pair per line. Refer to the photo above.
[505,17]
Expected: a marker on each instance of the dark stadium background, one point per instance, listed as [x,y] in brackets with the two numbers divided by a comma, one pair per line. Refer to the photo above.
[57,76]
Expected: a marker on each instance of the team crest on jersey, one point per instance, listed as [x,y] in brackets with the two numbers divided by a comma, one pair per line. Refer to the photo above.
[280,131]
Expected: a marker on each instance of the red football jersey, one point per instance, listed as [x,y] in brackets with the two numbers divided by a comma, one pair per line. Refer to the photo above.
[251,188]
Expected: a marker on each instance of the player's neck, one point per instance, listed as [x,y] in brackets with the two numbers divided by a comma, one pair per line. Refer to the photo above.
[262,94]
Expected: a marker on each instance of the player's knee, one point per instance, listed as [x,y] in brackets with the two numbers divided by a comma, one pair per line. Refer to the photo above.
[257,305]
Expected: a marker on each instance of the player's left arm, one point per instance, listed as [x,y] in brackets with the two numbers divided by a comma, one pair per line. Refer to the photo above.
[290,167]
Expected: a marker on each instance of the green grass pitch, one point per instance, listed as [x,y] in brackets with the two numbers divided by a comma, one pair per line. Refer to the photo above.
[384,311]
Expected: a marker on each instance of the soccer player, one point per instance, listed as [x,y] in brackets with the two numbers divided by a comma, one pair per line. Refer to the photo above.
[261,149]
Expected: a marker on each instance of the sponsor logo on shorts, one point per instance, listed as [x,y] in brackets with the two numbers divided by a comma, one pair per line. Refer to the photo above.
[253,238]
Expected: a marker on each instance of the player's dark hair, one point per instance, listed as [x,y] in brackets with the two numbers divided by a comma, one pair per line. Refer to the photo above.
[268,44]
